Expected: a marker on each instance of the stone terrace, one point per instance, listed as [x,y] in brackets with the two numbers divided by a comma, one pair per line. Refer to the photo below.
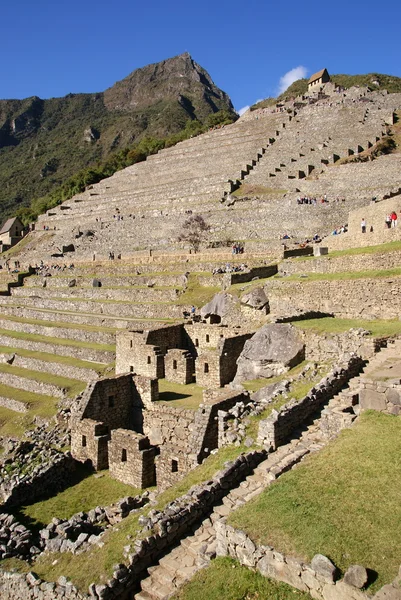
[144,205]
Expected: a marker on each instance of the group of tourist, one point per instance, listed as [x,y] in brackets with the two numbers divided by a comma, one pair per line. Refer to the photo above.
[45,270]
[391,220]
[237,248]
[338,230]
[322,200]
[229,269]
[112,256]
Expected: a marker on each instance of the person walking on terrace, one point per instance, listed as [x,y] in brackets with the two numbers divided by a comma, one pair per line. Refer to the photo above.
[363,226]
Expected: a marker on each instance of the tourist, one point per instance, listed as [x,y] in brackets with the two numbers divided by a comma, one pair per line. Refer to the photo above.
[388,221]
[393,219]
[363,226]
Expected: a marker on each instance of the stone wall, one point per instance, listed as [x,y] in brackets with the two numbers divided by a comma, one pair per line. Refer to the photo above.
[277,429]
[89,441]
[341,264]
[374,215]
[327,347]
[384,396]
[15,586]
[378,298]
[51,476]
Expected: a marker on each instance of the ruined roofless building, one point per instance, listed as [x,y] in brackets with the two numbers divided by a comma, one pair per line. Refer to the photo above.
[118,422]
[318,78]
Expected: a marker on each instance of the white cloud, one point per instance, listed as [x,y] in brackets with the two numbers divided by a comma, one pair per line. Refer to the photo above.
[242,110]
[288,78]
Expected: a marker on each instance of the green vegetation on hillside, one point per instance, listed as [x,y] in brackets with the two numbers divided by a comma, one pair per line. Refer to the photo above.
[43,143]
[80,171]
[342,502]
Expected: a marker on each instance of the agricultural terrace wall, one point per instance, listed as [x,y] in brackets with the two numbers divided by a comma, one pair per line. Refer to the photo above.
[342,264]
[362,298]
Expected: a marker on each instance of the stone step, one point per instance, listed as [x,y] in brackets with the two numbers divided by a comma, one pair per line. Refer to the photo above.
[143,595]
[155,589]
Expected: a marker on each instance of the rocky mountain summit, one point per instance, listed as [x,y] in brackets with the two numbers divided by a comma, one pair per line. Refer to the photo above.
[42,142]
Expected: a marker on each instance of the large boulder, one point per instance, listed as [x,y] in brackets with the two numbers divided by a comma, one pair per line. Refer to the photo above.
[272,350]
[256,299]
[217,307]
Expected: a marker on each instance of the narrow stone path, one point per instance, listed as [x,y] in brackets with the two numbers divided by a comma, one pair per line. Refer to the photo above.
[195,551]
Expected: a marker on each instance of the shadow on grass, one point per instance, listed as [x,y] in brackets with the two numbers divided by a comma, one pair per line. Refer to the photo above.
[169,396]
[80,473]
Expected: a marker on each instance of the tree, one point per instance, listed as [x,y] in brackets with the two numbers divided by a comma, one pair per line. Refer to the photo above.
[194,231]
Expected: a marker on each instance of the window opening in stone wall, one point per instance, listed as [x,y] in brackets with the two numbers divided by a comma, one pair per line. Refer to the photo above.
[149,360]
[131,369]
[84,441]
[206,368]
[111,401]
[130,344]
[207,337]
[174,364]
[196,342]
[174,466]
[123,455]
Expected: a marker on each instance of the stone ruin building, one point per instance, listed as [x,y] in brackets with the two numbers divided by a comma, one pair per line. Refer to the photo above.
[118,423]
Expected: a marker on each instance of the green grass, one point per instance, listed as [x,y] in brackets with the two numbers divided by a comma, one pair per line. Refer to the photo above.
[179,395]
[343,502]
[378,249]
[247,189]
[195,293]
[17,424]
[60,324]
[47,357]
[33,337]
[88,491]
[377,327]
[226,579]
[97,564]
[72,386]
[346,275]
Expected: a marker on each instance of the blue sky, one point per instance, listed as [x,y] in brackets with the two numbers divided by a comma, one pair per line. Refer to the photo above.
[53,48]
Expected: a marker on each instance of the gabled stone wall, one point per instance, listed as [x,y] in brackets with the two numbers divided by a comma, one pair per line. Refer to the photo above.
[179,366]
[131,458]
